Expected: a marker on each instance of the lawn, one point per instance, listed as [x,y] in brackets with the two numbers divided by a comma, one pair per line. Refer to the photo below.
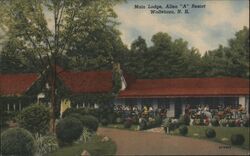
[95,147]
[221,132]
[121,126]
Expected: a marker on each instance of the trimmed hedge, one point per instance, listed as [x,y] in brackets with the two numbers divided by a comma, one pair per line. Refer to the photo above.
[17,141]
[90,122]
[104,122]
[35,118]
[237,139]
[183,130]
[215,122]
[68,130]
[184,120]
[128,123]
[210,133]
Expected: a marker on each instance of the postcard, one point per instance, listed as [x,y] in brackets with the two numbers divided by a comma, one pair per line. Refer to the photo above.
[124,77]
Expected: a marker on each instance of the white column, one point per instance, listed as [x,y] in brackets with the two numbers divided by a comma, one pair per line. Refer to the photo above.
[8,107]
[242,101]
[247,104]
[183,108]
[170,112]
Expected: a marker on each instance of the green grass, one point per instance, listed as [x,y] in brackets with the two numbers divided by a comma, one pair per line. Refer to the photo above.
[221,132]
[94,146]
[121,126]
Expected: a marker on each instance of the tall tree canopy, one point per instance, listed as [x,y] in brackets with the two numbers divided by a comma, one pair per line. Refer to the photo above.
[231,60]
[41,41]
[165,58]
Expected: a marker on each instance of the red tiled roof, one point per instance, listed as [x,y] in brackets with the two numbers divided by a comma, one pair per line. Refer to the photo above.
[87,82]
[186,87]
[16,84]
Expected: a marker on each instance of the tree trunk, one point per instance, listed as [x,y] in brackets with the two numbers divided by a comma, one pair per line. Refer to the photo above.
[53,99]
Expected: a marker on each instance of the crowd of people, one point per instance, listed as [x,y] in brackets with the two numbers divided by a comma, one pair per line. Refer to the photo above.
[230,112]
[125,111]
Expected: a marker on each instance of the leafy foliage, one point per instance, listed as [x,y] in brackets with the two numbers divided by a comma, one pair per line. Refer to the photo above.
[45,144]
[17,141]
[68,130]
[127,123]
[210,133]
[35,118]
[104,122]
[183,130]
[90,122]
[237,139]
[86,135]
[184,119]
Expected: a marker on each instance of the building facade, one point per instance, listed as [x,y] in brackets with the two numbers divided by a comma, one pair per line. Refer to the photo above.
[176,93]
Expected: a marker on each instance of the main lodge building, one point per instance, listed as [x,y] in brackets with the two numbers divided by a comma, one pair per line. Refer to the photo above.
[173,94]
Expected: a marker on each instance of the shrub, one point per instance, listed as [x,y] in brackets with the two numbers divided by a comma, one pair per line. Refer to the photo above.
[45,144]
[68,130]
[35,118]
[198,122]
[119,120]
[135,119]
[86,135]
[210,133]
[17,141]
[104,122]
[184,120]
[246,122]
[169,125]
[76,115]
[183,130]
[231,123]
[111,118]
[128,123]
[158,121]
[90,122]
[215,122]
[69,111]
[224,122]
[4,118]
[143,125]
[237,139]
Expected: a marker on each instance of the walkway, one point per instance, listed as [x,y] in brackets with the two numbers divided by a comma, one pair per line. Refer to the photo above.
[152,143]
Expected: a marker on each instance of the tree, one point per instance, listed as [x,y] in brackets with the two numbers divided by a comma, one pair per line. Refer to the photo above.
[231,60]
[42,40]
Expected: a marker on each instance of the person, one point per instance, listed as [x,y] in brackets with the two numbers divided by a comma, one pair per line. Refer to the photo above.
[241,108]
[206,109]
[187,109]
[150,111]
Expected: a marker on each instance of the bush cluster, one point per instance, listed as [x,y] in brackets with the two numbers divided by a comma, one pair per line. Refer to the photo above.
[90,122]
[210,133]
[68,130]
[237,139]
[128,123]
[17,141]
[184,120]
[183,130]
[35,118]
[45,144]
[104,122]
[215,122]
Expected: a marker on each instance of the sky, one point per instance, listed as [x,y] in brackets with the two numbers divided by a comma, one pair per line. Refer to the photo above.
[203,28]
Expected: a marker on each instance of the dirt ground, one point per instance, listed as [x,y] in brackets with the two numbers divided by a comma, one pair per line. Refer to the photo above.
[156,143]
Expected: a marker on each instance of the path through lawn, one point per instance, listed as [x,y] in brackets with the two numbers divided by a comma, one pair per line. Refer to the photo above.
[151,143]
